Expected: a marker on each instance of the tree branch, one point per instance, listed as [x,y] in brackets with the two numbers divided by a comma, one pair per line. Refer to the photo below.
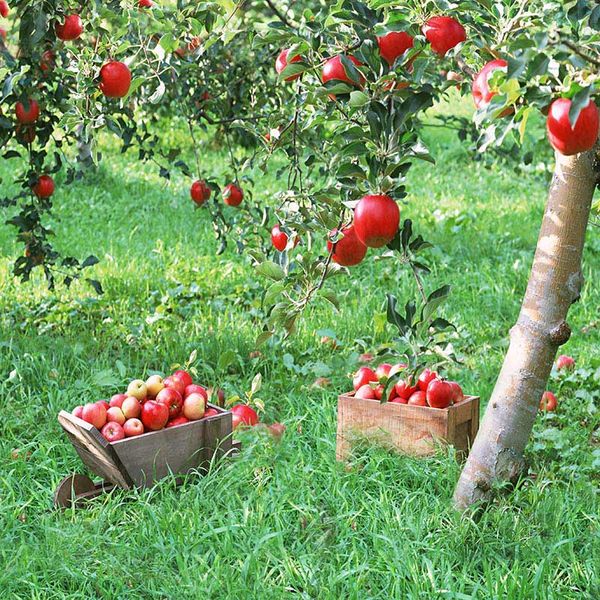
[279,14]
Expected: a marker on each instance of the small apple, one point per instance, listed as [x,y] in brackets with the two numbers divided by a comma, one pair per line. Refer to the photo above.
[233,195]
[78,412]
[43,187]
[565,363]
[548,402]
[133,427]
[115,415]
[113,432]
[365,392]
[195,389]
[172,399]
[137,389]
[154,415]
[154,384]
[95,414]
[194,406]
[115,79]
[199,192]
[242,414]
[177,421]
[117,400]
[131,407]
[185,378]
[363,376]
[176,384]
[418,399]
[70,30]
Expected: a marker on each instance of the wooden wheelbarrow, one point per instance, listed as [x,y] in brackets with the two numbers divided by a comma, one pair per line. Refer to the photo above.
[140,461]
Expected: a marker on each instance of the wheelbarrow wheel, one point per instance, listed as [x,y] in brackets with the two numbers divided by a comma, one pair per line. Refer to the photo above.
[70,488]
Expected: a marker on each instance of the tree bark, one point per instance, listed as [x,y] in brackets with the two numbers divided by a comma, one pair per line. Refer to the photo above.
[554,284]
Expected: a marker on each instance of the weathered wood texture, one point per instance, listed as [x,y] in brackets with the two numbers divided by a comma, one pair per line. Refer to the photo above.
[415,430]
[140,461]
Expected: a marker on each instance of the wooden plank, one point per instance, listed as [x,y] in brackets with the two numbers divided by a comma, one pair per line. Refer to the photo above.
[415,430]
[95,451]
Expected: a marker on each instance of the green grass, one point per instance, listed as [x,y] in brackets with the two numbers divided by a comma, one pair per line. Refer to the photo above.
[285,520]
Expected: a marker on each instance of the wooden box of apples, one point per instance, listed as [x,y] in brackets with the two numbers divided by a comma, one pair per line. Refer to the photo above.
[159,427]
[416,418]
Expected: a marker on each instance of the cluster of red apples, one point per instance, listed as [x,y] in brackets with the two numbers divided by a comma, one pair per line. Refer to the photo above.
[429,389]
[549,401]
[156,404]
[377,217]
[200,193]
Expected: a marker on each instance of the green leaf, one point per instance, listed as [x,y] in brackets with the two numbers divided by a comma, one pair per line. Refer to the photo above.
[271,270]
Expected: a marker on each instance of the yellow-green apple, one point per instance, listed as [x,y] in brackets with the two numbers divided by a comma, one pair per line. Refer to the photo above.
[154,415]
[117,400]
[95,414]
[113,432]
[172,399]
[154,384]
[115,415]
[137,389]
[133,427]
[194,406]
[131,407]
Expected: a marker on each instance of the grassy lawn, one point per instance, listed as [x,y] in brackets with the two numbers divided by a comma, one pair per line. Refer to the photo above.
[285,520]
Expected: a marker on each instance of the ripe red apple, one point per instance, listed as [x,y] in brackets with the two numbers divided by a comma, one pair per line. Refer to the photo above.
[4,9]
[334,70]
[27,112]
[548,402]
[211,412]
[154,415]
[440,393]
[571,140]
[459,395]
[26,134]
[103,403]
[115,79]
[115,414]
[276,430]
[481,89]
[177,421]
[95,414]
[194,406]
[78,411]
[131,407]
[133,427]
[393,45]
[376,220]
[117,400]
[404,389]
[44,187]
[175,383]
[282,62]
[137,389]
[145,4]
[154,384]
[279,238]
[564,362]
[172,399]
[113,432]
[383,370]
[184,376]
[349,250]
[200,192]
[242,414]
[366,392]
[363,376]
[71,29]
[195,389]
[233,195]
[426,376]
[418,399]
[396,369]
[443,33]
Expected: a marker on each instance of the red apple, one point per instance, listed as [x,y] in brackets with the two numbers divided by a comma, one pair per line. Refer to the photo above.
[242,414]
[443,33]
[113,432]
[133,427]
[145,4]
[172,399]
[117,400]
[383,370]
[103,403]
[131,407]
[279,238]
[397,368]
[349,250]
[194,406]
[393,45]
[376,220]
[440,393]
[115,414]
[282,62]
[481,89]
[175,383]
[548,402]
[363,376]
[137,389]
[43,187]
[459,395]
[71,29]
[233,195]
[4,9]
[78,411]
[26,134]
[154,384]
[404,389]
[27,112]
[211,412]
[426,376]
[334,70]
[47,62]
[177,421]
[199,192]
[571,140]
[195,389]
[418,399]
[95,414]
[154,415]
[115,79]
[184,376]
[564,362]
[365,392]
[277,430]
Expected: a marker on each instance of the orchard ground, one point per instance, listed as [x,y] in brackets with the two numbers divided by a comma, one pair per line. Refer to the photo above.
[284,519]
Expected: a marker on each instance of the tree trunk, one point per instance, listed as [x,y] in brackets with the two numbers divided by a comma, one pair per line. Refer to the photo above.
[554,284]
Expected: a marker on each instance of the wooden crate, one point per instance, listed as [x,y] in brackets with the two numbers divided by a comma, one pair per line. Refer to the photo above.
[415,430]
[140,461]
